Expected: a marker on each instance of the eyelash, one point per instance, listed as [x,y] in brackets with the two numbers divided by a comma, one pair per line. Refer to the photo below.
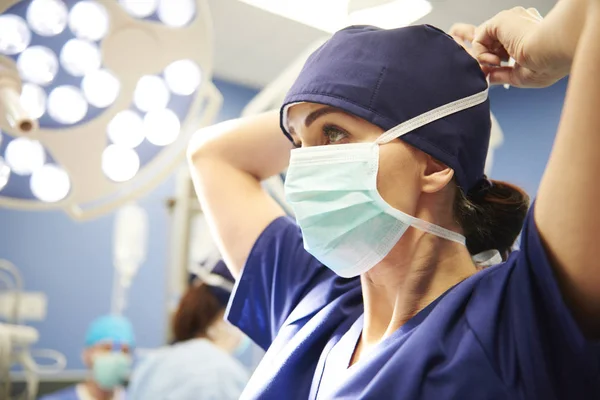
[329,132]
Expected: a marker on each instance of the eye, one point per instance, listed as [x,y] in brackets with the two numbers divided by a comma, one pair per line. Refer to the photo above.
[334,134]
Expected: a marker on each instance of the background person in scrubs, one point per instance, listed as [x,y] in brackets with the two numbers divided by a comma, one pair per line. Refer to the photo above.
[108,344]
[375,295]
[210,359]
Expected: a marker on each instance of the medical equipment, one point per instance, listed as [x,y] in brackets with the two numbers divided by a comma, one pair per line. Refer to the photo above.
[99,98]
[129,251]
[16,341]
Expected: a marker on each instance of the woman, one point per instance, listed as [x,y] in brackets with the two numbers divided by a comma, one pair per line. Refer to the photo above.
[108,343]
[206,360]
[375,294]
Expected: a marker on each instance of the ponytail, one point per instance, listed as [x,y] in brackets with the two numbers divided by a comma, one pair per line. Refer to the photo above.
[493,220]
[197,310]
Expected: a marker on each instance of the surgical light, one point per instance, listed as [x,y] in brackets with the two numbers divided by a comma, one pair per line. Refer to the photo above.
[100,88]
[151,93]
[99,98]
[24,155]
[126,129]
[67,105]
[38,64]
[183,77]
[176,13]
[47,17]
[15,36]
[161,127]
[120,163]
[50,183]
[79,57]
[140,8]
[88,20]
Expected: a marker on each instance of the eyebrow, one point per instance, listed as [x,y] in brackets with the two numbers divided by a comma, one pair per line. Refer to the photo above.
[313,116]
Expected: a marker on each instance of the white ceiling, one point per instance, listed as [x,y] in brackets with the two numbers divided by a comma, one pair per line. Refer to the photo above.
[253,46]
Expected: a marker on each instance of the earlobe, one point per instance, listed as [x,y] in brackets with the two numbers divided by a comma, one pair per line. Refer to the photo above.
[436,176]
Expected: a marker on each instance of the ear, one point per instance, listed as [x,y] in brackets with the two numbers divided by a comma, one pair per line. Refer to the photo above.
[436,176]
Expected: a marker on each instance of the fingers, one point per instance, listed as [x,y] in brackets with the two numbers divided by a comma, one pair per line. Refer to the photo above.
[501,75]
[464,32]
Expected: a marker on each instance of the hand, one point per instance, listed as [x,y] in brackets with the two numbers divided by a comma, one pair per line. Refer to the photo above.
[518,33]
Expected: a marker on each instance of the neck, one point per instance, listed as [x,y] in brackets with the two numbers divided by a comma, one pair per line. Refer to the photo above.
[97,393]
[419,269]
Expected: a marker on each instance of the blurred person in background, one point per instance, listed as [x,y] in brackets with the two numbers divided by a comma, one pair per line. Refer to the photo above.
[210,358]
[109,341]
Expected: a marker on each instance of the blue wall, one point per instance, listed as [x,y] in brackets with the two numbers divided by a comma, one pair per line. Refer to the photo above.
[529,120]
[72,262]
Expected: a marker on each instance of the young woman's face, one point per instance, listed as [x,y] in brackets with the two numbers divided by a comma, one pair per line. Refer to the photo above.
[400,165]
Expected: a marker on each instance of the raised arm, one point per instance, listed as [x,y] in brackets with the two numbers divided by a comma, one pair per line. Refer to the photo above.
[566,212]
[227,162]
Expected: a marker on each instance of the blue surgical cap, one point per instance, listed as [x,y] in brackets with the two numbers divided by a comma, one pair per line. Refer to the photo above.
[388,77]
[113,328]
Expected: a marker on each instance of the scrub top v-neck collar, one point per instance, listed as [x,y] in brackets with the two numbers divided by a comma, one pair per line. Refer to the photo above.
[335,361]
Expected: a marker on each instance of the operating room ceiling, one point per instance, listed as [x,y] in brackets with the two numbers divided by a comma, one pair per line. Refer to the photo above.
[252,46]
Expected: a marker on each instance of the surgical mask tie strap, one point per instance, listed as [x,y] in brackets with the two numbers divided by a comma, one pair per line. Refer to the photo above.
[433,115]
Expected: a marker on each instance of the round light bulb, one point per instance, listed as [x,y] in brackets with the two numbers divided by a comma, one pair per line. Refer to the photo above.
[67,105]
[33,99]
[80,57]
[100,88]
[126,129]
[38,64]
[4,173]
[139,8]
[183,77]
[24,155]
[50,183]
[151,93]
[47,17]
[15,36]
[161,127]
[119,163]
[176,13]
[89,20]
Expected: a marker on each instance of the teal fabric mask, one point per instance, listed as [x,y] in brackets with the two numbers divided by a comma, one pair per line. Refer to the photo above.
[111,369]
[345,222]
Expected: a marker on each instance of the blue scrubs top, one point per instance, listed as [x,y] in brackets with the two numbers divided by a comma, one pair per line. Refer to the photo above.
[503,333]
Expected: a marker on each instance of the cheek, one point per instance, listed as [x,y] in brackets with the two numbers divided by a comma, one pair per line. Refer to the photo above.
[398,177]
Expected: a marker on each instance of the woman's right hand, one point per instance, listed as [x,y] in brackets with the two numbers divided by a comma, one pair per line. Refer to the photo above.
[543,49]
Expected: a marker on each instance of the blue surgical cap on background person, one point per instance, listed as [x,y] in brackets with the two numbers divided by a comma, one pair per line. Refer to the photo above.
[114,328]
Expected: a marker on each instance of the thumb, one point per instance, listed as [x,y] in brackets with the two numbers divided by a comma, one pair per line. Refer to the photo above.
[501,75]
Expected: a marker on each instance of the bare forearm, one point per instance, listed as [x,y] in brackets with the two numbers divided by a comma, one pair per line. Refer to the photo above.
[567,211]
[254,145]
[560,31]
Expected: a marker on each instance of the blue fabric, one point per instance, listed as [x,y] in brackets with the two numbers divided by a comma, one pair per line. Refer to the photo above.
[112,328]
[192,370]
[504,333]
[390,76]
[69,393]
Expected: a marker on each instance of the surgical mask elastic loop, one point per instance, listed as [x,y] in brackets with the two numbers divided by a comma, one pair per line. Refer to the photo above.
[433,115]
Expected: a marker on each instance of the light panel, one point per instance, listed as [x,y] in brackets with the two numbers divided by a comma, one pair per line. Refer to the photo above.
[333,15]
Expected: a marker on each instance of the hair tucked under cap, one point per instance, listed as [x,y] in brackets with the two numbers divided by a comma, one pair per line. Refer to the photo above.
[390,76]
